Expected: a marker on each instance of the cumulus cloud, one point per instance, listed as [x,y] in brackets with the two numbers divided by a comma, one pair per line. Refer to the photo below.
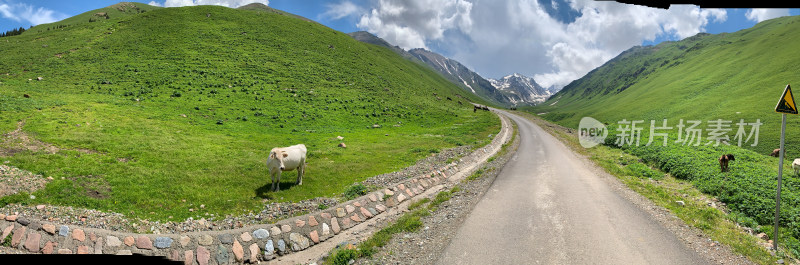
[410,23]
[341,10]
[227,3]
[760,14]
[21,12]
[499,37]
[520,36]
[605,29]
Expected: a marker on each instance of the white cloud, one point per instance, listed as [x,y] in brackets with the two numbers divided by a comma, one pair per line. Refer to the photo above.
[410,23]
[343,9]
[21,12]
[520,36]
[227,3]
[498,37]
[758,14]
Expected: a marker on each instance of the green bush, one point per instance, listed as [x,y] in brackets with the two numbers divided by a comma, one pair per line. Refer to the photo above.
[355,190]
[343,256]
[643,171]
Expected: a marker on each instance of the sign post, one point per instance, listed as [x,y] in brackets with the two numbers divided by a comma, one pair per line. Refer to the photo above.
[786,105]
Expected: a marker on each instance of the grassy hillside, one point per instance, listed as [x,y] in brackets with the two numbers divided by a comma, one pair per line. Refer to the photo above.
[157,112]
[731,76]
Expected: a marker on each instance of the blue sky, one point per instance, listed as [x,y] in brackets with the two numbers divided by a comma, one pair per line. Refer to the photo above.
[555,41]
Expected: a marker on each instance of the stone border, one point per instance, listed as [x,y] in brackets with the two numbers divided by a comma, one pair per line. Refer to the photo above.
[249,244]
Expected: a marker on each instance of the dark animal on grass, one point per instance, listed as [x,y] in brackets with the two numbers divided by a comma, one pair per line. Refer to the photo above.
[723,161]
[775,152]
[286,159]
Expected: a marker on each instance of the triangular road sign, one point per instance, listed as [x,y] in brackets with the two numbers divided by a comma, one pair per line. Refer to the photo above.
[786,104]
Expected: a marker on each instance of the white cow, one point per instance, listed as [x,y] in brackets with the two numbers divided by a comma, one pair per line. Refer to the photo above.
[286,159]
[796,165]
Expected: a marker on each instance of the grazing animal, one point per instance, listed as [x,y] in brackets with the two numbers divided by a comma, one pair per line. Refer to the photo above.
[286,159]
[775,152]
[723,161]
[796,165]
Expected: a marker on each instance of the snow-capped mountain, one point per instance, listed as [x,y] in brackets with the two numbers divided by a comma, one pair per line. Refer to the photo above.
[521,90]
[513,90]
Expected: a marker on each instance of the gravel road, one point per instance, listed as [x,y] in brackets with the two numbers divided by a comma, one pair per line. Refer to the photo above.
[548,205]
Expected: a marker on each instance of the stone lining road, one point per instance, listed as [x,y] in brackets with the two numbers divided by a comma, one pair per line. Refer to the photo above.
[548,207]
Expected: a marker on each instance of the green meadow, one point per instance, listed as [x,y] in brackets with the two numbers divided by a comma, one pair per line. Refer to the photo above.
[157,110]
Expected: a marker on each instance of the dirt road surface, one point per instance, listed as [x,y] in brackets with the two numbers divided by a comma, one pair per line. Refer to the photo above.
[547,206]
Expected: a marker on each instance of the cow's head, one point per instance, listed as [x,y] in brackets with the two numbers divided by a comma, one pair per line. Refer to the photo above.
[731,158]
[279,155]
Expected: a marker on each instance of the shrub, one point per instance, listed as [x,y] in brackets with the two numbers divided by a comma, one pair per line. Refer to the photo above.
[354,191]
[643,171]
[343,256]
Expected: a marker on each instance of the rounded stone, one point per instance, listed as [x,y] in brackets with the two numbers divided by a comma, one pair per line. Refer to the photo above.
[185,240]
[269,249]
[49,228]
[63,230]
[205,240]
[238,251]
[261,233]
[326,230]
[274,230]
[143,242]
[79,235]
[254,249]
[163,242]
[129,241]
[281,246]
[222,255]
[226,239]
[340,212]
[246,237]
[203,255]
[113,241]
[299,242]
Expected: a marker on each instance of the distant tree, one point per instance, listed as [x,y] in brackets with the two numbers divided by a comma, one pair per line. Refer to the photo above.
[13,32]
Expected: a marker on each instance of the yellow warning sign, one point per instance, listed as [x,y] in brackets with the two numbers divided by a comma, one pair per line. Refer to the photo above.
[786,104]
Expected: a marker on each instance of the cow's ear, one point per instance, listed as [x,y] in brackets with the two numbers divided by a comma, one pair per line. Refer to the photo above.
[285,154]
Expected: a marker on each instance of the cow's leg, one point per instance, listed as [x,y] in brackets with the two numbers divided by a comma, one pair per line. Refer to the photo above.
[272,174]
[278,187]
[301,170]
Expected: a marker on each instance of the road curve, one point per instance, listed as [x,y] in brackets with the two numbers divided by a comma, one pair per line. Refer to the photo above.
[547,206]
